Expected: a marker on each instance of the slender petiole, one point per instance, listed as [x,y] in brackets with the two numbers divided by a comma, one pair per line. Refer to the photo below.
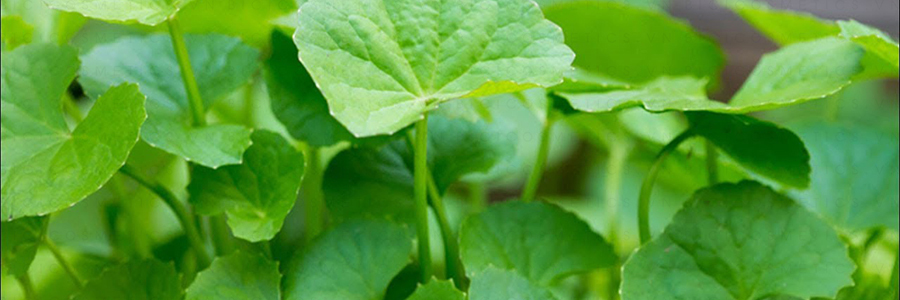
[647,185]
[184,217]
[537,171]
[712,163]
[420,190]
[312,193]
[27,286]
[187,73]
[67,267]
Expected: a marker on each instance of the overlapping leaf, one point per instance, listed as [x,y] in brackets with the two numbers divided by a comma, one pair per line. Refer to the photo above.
[540,241]
[437,290]
[46,167]
[221,64]
[48,25]
[138,280]
[237,276]
[247,19]
[20,241]
[855,178]
[354,261]
[739,241]
[493,283]
[257,194]
[382,177]
[634,44]
[382,64]
[149,12]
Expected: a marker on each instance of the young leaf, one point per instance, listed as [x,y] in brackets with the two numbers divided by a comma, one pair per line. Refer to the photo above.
[137,280]
[782,26]
[46,167]
[380,68]
[296,101]
[354,260]
[247,19]
[382,178]
[739,241]
[493,283]
[49,25]
[782,157]
[221,64]
[257,194]
[794,74]
[437,290]
[237,276]
[539,240]
[148,12]
[20,241]
[634,44]
[876,43]
[855,176]
[15,32]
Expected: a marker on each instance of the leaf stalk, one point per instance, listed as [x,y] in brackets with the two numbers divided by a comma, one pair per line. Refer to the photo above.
[420,191]
[647,184]
[187,73]
[66,266]
[537,171]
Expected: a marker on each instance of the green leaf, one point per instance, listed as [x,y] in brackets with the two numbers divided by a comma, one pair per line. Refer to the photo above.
[876,43]
[354,260]
[794,74]
[539,240]
[237,276]
[296,101]
[782,26]
[638,44]
[782,157]
[382,177]
[493,283]
[221,64]
[437,290]
[148,12]
[15,32]
[257,194]
[46,167]
[247,19]
[739,241]
[20,241]
[136,280]
[49,25]
[855,176]
[380,69]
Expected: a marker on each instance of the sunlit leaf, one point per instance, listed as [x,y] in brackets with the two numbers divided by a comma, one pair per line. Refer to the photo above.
[380,68]
[739,241]
[782,26]
[49,25]
[237,276]
[257,194]
[15,32]
[47,167]
[149,12]
[221,64]
[493,283]
[247,19]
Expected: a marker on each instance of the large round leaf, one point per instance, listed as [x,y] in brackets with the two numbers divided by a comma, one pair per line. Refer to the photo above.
[382,64]
[739,241]
[135,280]
[238,276]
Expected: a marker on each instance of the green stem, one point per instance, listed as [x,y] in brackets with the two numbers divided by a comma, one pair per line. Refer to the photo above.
[221,236]
[27,286]
[187,73]
[647,185]
[712,163]
[420,190]
[312,194]
[895,278]
[618,155]
[451,246]
[184,217]
[537,171]
[67,267]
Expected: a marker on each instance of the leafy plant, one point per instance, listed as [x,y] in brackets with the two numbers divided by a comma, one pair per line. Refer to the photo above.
[365,149]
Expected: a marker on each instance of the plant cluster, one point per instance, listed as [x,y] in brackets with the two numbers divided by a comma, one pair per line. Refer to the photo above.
[402,126]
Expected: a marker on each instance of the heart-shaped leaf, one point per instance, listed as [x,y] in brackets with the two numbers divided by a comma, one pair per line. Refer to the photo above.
[634,44]
[538,240]
[855,176]
[221,64]
[782,157]
[296,101]
[46,167]
[493,283]
[794,74]
[257,194]
[149,12]
[382,64]
[739,241]
[20,241]
[137,280]
[382,177]
[437,290]
[354,261]
[238,276]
